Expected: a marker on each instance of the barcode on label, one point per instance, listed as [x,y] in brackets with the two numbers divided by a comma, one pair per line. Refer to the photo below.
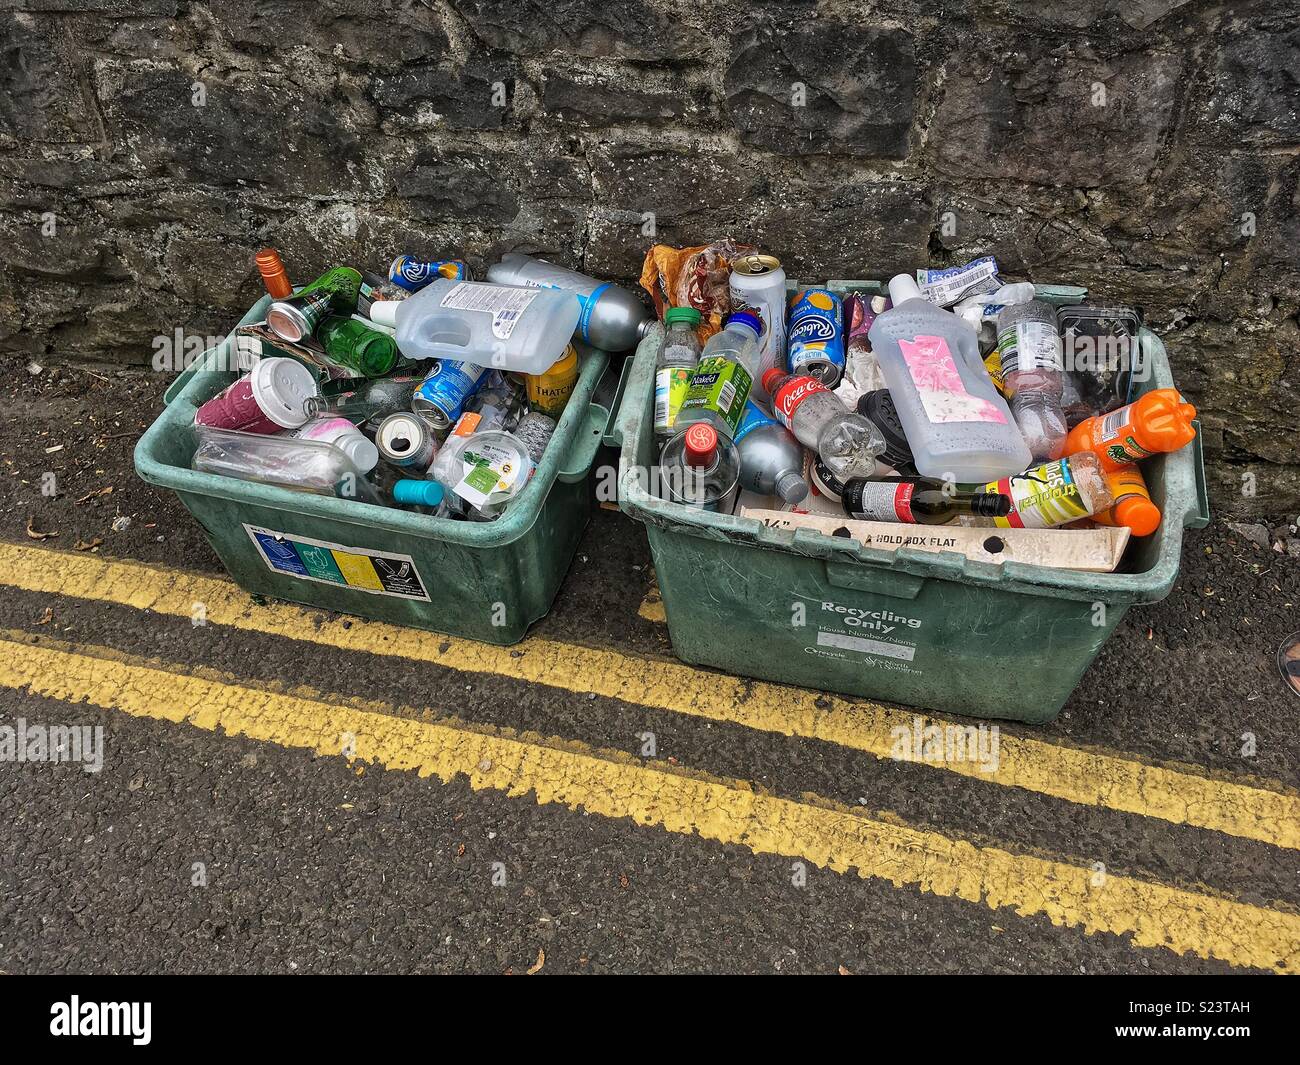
[494,299]
[726,394]
[1113,423]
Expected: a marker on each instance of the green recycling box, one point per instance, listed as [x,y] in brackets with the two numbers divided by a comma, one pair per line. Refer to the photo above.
[932,630]
[485,580]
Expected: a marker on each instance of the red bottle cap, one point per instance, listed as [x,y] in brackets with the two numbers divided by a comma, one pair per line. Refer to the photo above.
[770,379]
[701,444]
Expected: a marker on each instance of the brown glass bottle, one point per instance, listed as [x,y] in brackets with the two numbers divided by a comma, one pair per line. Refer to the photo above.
[273,273]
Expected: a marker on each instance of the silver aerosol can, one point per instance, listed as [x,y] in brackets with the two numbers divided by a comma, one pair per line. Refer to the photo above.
[612,317]
[758,284]
[771,459]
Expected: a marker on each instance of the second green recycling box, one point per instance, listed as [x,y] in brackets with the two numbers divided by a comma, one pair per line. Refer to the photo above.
[485,580]
[932,630]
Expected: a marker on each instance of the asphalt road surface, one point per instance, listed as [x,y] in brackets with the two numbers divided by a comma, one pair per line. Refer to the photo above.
[288,791]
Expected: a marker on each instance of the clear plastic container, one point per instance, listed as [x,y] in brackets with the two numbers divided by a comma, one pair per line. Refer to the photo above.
[677,361]
[303,465]
[957,424]
[504,327]
[483,471]
[722,381]
[844,440]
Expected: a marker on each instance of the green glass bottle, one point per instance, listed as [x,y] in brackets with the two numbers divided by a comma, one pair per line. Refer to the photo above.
[355,345]
[918,500]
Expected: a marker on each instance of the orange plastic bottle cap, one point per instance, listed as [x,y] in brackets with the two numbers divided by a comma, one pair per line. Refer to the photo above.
[1140,515]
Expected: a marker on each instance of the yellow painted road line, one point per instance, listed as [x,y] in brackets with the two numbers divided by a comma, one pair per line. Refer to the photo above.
[1262,811]
[612,784]
[652,605]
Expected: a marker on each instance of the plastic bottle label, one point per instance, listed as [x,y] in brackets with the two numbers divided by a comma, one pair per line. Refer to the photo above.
[939,386]
[751,419]
[506,305]
[671,383]
[791,394]
[721,386]
[1029,346]
[1041,498]
[1112,426]
[883,501]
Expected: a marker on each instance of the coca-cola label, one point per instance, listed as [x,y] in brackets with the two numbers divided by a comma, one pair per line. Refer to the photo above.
[791,394]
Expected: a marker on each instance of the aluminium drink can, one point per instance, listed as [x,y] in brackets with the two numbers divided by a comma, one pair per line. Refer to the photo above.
[441,397]
[758,284]
[413,274]
[815,335]
[406,441]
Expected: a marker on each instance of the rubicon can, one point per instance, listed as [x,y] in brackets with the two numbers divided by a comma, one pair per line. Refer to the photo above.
[815,337]
[440,399]
[404,440]
[413,274]
[758,284]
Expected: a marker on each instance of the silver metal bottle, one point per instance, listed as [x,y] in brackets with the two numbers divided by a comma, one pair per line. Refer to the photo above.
[612,317]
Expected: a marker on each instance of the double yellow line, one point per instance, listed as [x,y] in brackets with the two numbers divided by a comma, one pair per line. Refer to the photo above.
[1260,811]
[612,784]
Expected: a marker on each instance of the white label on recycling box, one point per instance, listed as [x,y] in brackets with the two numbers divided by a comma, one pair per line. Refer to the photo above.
[374,572]
[870,647]
[504,304]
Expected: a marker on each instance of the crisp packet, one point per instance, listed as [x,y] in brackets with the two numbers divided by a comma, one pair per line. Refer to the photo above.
[693,277]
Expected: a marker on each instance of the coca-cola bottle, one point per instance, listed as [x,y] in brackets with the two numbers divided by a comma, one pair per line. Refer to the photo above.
[847,443]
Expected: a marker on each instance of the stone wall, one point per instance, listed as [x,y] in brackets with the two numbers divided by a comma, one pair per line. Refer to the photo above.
[1146,148]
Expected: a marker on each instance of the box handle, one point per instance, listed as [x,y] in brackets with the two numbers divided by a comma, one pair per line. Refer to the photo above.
[637,376]
[176,387]
[1199,517]
[586,441]
[874,579]
[613,436]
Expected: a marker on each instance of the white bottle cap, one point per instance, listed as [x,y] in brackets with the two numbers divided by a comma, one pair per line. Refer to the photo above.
[384,312]
[282,387]
[364,454]
[903,287]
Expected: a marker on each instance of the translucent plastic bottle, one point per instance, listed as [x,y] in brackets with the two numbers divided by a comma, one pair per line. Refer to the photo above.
[304,465]
[503,327]
[343,435]
[844,440]
[1055,493]
[612,317]
[677,361]
[721,383]
[1029,349]
[958,426]
[700,468]
[771,460]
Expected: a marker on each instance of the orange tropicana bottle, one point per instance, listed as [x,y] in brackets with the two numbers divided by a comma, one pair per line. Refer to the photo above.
[1159,421]
[273,273]
[1132,506]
